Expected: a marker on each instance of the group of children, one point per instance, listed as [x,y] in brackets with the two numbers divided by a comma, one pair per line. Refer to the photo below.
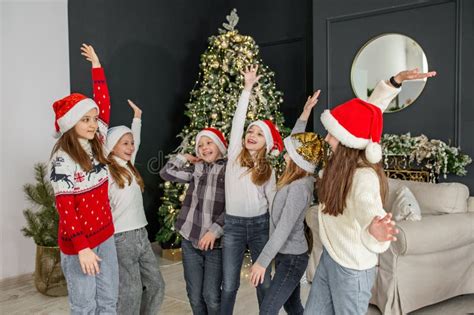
[233,202]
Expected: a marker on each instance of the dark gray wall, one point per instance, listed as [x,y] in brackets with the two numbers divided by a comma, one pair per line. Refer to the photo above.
[444,29]
[150,50]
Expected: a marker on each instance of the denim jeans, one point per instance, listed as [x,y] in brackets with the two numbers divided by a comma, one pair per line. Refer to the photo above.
[285,285]
[339,290]
[141,289]
[203,276]
[240,232]
[93,294]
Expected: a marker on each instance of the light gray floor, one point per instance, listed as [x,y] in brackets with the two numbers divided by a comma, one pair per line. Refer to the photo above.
[19,296]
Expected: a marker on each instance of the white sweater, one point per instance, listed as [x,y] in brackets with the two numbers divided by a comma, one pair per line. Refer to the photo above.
[242,197]
[346,237]
[127,203]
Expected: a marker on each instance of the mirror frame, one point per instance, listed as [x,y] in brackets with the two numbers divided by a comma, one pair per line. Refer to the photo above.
[360,51]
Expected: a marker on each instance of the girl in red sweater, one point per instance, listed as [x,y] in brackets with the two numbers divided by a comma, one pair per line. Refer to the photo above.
[79,177]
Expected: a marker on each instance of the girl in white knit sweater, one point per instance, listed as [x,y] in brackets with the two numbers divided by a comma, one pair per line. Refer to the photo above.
[141,286]
[353,225]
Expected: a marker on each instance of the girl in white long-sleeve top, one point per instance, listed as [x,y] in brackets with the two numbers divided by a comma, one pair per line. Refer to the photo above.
[141,286]
[250,186]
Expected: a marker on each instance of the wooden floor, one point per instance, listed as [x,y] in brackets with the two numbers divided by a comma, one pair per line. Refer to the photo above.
[18,296]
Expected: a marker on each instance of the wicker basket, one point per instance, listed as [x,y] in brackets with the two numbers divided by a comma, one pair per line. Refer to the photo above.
[49,277]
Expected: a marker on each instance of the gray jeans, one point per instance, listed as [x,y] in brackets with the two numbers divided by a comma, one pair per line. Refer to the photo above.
[93,294]
[141,289]
[339,290]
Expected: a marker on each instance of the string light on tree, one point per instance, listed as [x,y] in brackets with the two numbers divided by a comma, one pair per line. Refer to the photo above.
[213,101]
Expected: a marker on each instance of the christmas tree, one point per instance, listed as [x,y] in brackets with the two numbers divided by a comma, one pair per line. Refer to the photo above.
[41,223]
[213,102]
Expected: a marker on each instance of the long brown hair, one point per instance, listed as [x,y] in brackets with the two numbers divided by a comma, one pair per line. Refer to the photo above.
[336,182]
[69,143]
[291,173]
[258,166]
[121,174]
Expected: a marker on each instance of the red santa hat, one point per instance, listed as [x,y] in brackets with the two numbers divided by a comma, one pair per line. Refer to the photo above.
[358,125]
[70,110]
[272,136]
[216,136]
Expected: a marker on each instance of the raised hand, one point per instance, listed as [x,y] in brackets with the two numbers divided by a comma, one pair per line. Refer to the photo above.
[308,106]
[250,77]
[383,229]
[413,74]
[88,52]
[137,112]
[89,261]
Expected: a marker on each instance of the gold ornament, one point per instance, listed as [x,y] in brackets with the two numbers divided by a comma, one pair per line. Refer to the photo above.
[167,185]
[251,115]
[214,116]
[311,147]
[215,64]
[181,198]
[237,38]
[224,44]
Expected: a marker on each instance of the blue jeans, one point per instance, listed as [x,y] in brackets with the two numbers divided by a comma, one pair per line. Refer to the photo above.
[285,286]
[203,276]
[240,232]
[339,290]
[141,289]
[93,294]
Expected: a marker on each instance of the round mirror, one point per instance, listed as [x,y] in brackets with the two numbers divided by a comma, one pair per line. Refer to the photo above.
[384,56]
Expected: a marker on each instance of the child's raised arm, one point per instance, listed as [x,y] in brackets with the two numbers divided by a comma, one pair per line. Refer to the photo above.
[300,125]
[384,92]
[136,128]
[177,171]
[100,88]
[238,122]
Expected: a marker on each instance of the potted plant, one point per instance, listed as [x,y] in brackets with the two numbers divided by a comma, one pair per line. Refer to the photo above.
[42,226]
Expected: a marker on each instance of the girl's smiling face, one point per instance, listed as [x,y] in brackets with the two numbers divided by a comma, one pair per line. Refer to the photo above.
[254,139]
[208,150]
[125,147]
[87,126]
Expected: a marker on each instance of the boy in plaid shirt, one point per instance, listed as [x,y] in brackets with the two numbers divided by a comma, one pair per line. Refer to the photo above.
[201,219]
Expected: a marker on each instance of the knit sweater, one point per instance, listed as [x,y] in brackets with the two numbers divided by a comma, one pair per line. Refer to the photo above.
[243,198]
[82,199]
[346,237]
[127,202]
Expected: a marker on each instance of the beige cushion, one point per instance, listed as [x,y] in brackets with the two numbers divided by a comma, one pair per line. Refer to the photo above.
[470,204]
[433,198]
[435,233]
[405,206]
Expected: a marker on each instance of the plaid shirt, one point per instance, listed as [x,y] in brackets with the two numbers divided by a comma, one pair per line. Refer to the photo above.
[203,208]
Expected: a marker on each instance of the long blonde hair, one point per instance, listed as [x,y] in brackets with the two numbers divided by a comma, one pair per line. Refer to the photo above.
[121,174]
[291,173]
[337,178]
[70,144]
[258,166]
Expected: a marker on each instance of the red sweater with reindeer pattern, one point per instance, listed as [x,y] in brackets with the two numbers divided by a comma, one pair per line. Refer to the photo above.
[82,198]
